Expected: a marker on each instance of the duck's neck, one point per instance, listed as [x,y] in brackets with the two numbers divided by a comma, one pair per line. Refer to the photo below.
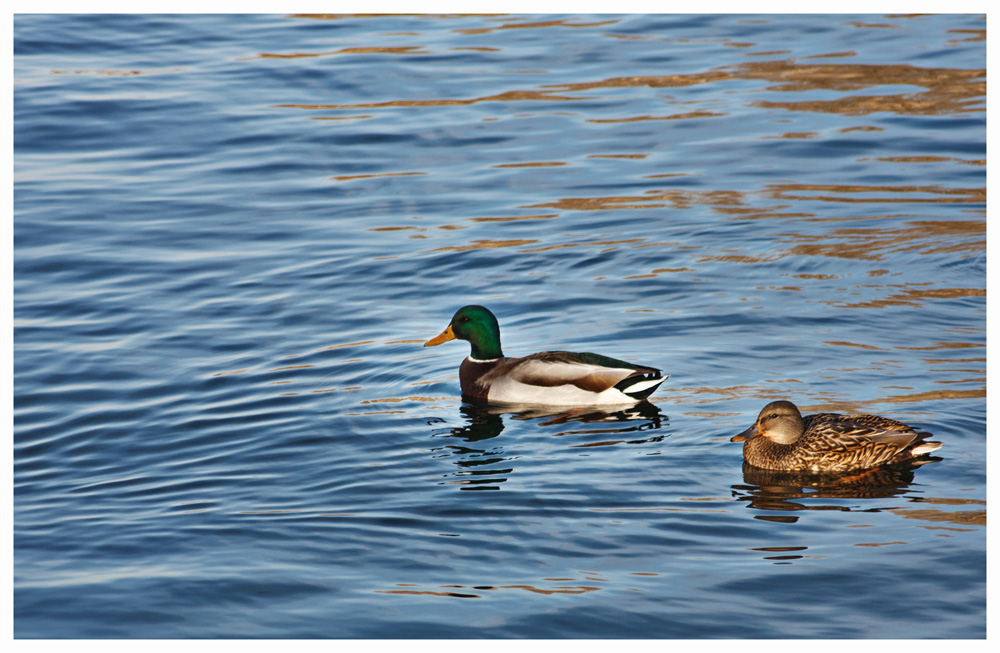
[486,351]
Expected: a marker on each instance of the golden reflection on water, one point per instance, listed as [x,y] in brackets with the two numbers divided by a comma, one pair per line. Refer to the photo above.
[536,164]
[912,296]
[377,175]
[368,50]
[541,216]
[677,116]
[563,22]
[948,90]
[953,195]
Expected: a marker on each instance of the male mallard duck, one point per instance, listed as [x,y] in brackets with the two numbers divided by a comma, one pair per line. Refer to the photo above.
[781,439]
[558,378]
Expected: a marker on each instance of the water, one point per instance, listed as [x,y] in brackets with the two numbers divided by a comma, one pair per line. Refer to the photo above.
[232,234]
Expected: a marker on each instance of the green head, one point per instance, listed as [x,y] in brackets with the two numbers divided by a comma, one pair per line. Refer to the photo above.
[477,325]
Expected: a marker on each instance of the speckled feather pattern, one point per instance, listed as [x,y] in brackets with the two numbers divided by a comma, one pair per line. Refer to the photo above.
[839,443]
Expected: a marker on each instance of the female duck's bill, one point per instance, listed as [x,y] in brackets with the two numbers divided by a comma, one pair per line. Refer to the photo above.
[782,439]
[546,378]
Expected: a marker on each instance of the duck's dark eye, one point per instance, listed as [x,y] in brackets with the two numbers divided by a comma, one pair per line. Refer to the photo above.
[465,318]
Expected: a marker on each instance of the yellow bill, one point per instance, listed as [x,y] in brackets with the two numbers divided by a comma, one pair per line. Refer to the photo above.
[444,336]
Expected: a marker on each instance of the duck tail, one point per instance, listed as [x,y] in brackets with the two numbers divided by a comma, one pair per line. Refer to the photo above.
[641,386]
[925,447]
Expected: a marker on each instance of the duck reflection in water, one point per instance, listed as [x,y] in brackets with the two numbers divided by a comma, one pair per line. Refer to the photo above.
[483,467]
[766,489]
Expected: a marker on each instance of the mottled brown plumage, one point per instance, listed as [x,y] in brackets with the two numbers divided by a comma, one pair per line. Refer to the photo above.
[781,439]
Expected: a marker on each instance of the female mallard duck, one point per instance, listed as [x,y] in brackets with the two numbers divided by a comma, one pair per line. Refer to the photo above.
[781,439]
[558,378]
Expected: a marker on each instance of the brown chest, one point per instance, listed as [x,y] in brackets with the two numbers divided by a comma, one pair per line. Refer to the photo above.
[470,376]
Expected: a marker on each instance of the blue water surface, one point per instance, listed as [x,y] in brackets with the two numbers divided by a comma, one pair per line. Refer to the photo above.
[233,234]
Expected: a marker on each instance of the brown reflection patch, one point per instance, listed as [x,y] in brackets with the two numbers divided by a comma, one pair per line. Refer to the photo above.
[964,517]
[677,198]
[941,501]
[413,49]
[977,35]
[975,393]
[981,379]
[912,159]
[243,371]
[799,135]
[586,244]
[346,344]
[337,118]
[741,258]
[598,203]
[913,104]
[547,216]
[794,76]
[532,25]
[373,176]
[657,272]
[832,55]
[509,96]
[617,156]
[951,361]
[657,81]
[950,90]
[915,296]
[536,164]
[484,244]
[855,23]
[676,116]
[754,213]
[861,128]
[953,195]
[946,345]
[433,381]
[928,159]
[838,343]
[873,244]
